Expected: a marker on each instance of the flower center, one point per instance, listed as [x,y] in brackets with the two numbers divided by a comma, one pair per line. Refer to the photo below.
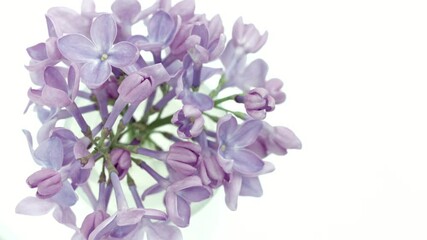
[104,57]
[223,148]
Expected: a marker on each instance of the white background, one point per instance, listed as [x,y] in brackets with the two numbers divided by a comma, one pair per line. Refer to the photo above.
[354,73]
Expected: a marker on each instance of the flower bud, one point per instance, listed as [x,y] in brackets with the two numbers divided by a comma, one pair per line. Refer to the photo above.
[189,121]
[47,181]
[183,157]
[121,161]
[257,102]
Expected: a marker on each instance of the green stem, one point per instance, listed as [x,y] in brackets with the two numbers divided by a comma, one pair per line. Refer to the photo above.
[237,114]
[219,101]
[160,122]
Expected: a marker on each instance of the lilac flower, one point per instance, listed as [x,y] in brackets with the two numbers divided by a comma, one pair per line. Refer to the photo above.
[180,194]
[189,121]
[273,87]
[212,41]
[127,110]
[232,140]
[161,31]
[183,157]
[258,102]
[282,138]
[240,75]
[57,92]
[42,55]
[49,155]
[247,37]
[275,140]
[98,54]
[244,185]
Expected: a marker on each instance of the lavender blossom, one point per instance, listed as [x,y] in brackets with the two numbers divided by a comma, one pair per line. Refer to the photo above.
[98,54]
[232,140]
[136,110]
[57,92]
[180,194]
[161,31]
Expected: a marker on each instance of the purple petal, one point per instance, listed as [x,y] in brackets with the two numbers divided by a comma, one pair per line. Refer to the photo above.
[202,101]
[163,231]
[68,20]
[49,154]
[122,54]
[254,75]
[95,73]
[35,95]
[251,187]
[29,139]
[215,27]
[51,28]
[232,190]
[38,52]
[34,206]
[54,97]
[195,194]
[201,31]
[155,214]
[178,209]
[185,9]
[45,130]
[246,134]
[65,216]
[227,55]
[73,81]
[54,78]
[66,197]
[157,73]
[226,126]
[245,161]
[161,27]
[130,216]
[126,10]
[78,48]
[217,47]
[103,32]
[103,229]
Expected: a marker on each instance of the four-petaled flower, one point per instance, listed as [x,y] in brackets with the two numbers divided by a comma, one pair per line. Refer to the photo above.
[99,53]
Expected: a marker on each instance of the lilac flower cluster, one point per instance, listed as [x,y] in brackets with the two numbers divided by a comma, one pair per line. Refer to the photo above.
[154,107]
